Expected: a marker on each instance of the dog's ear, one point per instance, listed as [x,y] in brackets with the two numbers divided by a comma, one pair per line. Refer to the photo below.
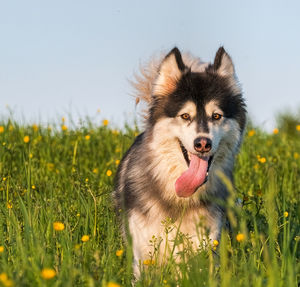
[223,64]
[170,72]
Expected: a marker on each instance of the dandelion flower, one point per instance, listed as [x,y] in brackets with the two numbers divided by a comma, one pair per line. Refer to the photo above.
[285,214]
[48,273]
[251,133]
[85,238]
[240,237]
[9,205]
[86,180]
[1,129]
[113,284]
[3,277]
[5,281]
[109,173]
[296,155]
[35,127]
[105,122]
[298,128]
[58,226]
[4,178]
[1,249]
[64,128]
[148,262]
[119,252]
[95,170]
[275,131]
[87,137]
[117,162]
[215,242]
[26,139]
[33,186]
[262,160]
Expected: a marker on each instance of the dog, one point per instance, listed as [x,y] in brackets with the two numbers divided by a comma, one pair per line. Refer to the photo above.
[195,120]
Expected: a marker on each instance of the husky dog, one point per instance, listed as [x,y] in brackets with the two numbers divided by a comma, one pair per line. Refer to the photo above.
[194,126]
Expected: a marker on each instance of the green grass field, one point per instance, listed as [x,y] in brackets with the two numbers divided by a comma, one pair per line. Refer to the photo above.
[58,226]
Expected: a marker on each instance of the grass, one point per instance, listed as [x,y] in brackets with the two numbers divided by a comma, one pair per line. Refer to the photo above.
[54,174]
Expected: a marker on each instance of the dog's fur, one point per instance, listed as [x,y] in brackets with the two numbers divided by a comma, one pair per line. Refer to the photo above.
[183,96]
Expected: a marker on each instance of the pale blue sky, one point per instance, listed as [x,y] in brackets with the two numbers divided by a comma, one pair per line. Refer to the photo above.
[76,56]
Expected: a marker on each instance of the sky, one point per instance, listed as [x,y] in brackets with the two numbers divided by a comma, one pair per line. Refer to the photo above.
[70,57]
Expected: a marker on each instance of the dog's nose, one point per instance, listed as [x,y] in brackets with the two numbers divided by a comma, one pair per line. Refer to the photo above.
[202,144]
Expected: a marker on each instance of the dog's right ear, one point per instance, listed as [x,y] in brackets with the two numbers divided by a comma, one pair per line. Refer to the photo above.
[170,72]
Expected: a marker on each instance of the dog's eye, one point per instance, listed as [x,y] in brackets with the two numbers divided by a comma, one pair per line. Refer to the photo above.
[216,116]
[186,117]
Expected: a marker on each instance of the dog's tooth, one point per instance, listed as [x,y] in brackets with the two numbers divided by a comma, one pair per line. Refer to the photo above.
[189,155]
[207,173]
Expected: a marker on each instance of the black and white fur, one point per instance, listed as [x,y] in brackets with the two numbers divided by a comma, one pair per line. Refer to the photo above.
[145,183]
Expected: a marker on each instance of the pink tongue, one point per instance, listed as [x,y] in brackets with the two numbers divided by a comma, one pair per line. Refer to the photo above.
[192,178]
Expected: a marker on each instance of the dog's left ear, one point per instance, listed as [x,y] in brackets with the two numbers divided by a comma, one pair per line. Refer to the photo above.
[170,72]
[223,64]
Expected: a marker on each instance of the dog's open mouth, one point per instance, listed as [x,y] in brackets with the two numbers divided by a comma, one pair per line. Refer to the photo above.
[196,174]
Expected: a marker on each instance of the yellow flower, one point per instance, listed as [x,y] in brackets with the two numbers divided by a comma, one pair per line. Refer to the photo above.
[4,178]
[119,252]
[275,131]
[109,173]
[251,133]
[262,160]
[285,214]
[215,242]
[48,273]
[64,128]
[33,186]
[86,180]
[5,281]
[298,128]
[63,119]
[113,284]
[95,170]
[26,139]
[1,249]
[296,155]
[3,277]
[148,262]
[35,127]
[105,122]
[117,162]
[240,237]
[85,238]
[1,129]
[87,137]
[58,226]
[9,205]
[30,155]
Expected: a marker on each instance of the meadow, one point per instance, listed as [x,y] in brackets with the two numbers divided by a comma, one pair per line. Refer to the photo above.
[59,228]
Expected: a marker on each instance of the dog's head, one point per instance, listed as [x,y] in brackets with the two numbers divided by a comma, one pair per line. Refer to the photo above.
[202,109]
